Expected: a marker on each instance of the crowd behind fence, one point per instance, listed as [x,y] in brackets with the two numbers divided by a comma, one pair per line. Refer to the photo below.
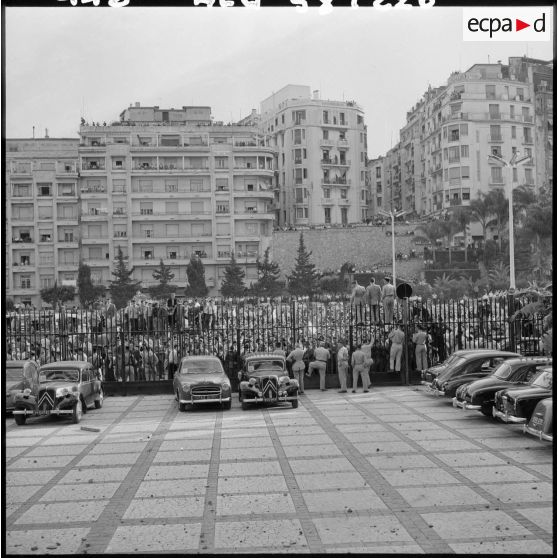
[142,342]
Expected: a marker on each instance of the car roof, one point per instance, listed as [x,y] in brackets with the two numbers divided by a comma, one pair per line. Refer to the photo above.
[200,357]
[267,356]
[18,363]
[69,364]
[490,353]
[540,360]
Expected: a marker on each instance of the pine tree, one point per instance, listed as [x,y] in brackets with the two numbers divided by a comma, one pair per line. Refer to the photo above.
[303,280]
[88,292]
[164,275]
[196,278]
[268,283]
[122,289]
[233,282]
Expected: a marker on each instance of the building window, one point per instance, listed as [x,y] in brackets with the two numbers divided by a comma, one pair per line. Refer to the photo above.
[171,231]
[325,134]
[465,172]
[495,132]
[464,151]
[171,186]
[343,194]
[513,132]
[327,193]
[146,208]
[529,177]
[490,91]
[47,281]
[299,213]
[44,189]
[21,190]
[326,117]
[171,208]
[222,207]
[519,94]
[148,254]
[344,214]
[146,185]
[496,175]
[222,184]
[514,174]
[25,282]
[196,185]
[527,137]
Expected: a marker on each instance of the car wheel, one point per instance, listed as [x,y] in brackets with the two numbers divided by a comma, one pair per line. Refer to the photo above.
[99,401]
[20,419]
[295,403]
[227,405]
[245,405]
[83,406]
[77,411]
[486,409]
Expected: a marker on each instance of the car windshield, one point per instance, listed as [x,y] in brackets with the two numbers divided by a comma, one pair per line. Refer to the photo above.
[66,375]
[543,380]
[201,367]
[455,369]
[266,366]
[503,372]
[14,374]
[450,360]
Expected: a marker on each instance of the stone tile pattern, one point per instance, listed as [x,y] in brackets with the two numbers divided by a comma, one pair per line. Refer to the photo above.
[392,471]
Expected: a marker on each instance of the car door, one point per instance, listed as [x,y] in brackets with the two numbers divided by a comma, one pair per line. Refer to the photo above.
[85,386]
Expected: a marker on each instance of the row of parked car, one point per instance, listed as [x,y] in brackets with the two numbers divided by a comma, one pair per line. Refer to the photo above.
[71,388]
[499,384]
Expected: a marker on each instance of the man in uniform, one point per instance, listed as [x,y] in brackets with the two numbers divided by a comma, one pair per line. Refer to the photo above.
[373,297]
[342,365]
[419,339]
[295,356]
[397,337]
[366,348]
[388,297]
[322,356]
[358,362]
[357,301]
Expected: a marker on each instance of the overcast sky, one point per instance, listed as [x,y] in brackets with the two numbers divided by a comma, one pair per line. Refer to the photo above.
[64,63]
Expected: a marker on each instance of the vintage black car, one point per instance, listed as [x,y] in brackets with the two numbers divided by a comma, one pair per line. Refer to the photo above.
[66,388]
[540,424]
[201,380]
[517,404]
[428,375]
[467,368]
[264,379]
[479,394]
[20,375]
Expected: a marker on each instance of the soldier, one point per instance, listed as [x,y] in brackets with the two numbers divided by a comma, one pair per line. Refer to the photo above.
[419,339]
[357,301]
[388,298]
[373,297]
[397,337]
[295,356]
[358,362]
[342,365]
[366,348]
[322,356]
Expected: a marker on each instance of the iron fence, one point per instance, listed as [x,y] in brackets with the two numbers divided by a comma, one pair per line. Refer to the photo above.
[124,345]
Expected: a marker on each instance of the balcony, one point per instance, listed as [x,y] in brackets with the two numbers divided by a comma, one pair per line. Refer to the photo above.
[21,169]
[24,240]
[336,182]
[327,143]
[495,138]
[93,166]
[326,201]
[93,190]
[156,215]
[343,202]
[66,169]
[335,162]
[527,140]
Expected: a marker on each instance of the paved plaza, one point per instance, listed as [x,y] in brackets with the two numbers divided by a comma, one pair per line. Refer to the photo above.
[393,470]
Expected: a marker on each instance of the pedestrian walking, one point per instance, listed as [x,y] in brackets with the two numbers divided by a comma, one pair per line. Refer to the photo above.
[358,362]
[397,337]
[296,356]
[388,299]
[373,297]
[342,365]
[320,364]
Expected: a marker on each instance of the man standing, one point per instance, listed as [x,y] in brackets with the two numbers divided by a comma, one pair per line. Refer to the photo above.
[388,297]
[397,337]
[342,365]
[171,361]
[366,348]
[322,356]
[278,349]
[358,362]
[419,339]
[357,301]
[295,356]
[171,309]
[373,297]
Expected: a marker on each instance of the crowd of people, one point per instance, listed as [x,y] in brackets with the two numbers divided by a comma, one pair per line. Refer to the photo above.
[146,339]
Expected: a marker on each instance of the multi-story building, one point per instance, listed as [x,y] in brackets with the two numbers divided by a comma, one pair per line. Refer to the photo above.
[375,171]
[42,212]
[321,157]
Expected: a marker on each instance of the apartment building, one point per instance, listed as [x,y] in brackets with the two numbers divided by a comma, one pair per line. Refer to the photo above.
[42,216]
[321,157]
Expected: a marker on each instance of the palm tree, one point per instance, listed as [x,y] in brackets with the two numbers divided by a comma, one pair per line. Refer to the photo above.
[499,276]
[497,204]
[481,212]
[461,216]
[448,229]
[431,231]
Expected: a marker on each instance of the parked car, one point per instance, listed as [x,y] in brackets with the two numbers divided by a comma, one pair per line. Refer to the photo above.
[479,394]
[200,380]
[20,375]
[264,379]
[518,404]
[540,423]
[428,375]
[66,388]
[466,368]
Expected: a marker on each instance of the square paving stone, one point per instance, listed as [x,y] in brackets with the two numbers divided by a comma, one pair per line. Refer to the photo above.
[243,468]
[546,469]
[361,529]
[155,538]
[19,494]
[489,431]
[22,478]
[414,425]
[264,452]
[311,451]
[182,456]
[246,442]
[160,508]
[524,547]
[182,487]
[10,453]
[325,465]
[43,541]
[374,548]
[521,492]
[185,471]
[373,436]
[529,456]
[305,440]
[110,447]
[41,462]
[505,473]
[362,428]
[540,516]
[73,492]
[464,459]
[299,430]
[188,445]
[108,459]
[105,474]
[63,512]
[343,500]
[511,442]
[474,524]
[25,442]
[450,496]
[273,535]
[323,481]
[398,461]
[242,432]
[354,418]
[41,451]
[424,476]
[205,441]
[448,445]
[68,440]
[372,448]
[432,434]
[232,504]
[243,485]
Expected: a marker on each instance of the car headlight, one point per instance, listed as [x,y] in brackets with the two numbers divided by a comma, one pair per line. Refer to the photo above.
[26,392]
[225,385]
[260,394]
[445,386]
[284,379]
[62,392]
[186,387]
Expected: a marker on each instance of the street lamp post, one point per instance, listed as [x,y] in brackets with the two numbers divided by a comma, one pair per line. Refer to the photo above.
[392,215]
[511,164]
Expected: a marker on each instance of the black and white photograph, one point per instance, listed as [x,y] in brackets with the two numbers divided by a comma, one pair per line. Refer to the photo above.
[278,278]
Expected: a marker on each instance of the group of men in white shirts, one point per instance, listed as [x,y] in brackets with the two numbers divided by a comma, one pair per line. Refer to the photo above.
[373,295]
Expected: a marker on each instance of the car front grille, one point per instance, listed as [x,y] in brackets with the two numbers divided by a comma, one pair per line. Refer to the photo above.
[214,391]
[47,399]
[269,386]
